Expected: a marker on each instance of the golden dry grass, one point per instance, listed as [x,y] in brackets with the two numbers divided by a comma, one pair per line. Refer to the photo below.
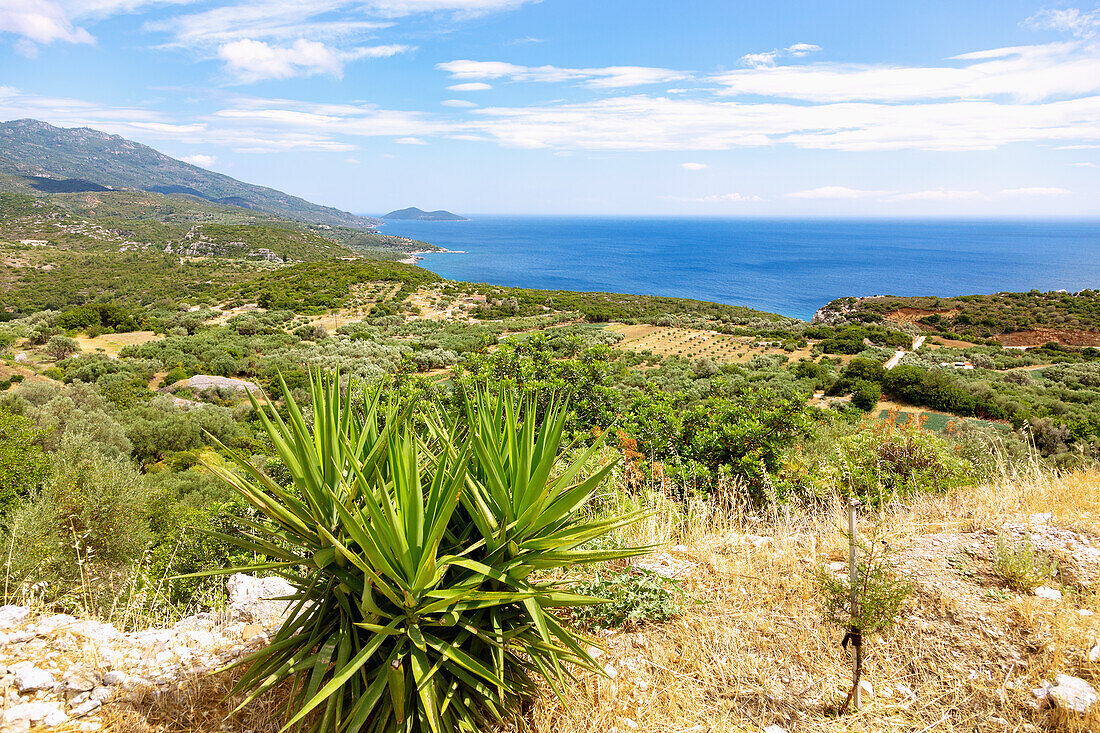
[751,649]
[755,652]
[112,343]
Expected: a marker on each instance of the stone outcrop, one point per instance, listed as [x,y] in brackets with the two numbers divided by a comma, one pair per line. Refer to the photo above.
[58,670]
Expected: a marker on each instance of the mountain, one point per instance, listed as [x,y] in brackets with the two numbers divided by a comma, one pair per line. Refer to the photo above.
[43,154]
[420,215]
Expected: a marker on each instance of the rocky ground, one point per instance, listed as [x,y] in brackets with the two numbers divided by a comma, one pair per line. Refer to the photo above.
[750,652]
[63,673]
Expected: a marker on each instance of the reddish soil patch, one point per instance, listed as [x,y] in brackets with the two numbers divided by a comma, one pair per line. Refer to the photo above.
[1040,336]
[907,314]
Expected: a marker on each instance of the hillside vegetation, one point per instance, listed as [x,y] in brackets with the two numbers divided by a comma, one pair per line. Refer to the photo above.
[188,388]
[33,148]
[1008,317]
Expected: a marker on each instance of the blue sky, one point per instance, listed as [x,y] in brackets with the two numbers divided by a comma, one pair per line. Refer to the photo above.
[715,108]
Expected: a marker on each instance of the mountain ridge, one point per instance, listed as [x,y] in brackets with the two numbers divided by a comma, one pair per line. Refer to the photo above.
[35,149]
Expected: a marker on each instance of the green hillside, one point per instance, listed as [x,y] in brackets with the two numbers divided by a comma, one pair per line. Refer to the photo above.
[35,150]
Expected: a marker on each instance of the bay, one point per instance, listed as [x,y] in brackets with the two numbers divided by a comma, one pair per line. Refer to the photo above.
[788,266]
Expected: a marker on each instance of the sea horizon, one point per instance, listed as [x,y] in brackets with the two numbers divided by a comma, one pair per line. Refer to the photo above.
[786,265]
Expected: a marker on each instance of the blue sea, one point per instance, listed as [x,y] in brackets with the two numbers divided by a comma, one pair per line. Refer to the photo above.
[783,266]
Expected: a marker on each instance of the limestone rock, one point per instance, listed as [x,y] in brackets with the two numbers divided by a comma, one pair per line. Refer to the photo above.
[1047,593]
[251,598]
[1072,694]
[21,717]
[29,678]
[12,615]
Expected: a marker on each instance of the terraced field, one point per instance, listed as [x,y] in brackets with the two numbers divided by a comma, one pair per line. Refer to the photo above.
[697,344]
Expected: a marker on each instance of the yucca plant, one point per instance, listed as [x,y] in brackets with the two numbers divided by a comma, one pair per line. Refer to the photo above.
[419,560]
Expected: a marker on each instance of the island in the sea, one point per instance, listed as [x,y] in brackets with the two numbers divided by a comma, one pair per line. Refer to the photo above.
[420,215]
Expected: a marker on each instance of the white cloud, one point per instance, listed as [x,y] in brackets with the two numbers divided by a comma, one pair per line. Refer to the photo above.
[693,166]
[464,103]
[25,47]
[802,49]
[642,122]
[462,7]
[1024,73]
[767,59]
[409,141]
[40,21]
[1084,165]
[474,86]
[835,192]
[333,21]
[609,77]
[1031,191]
[1068,20]
[250,60]
[200,159]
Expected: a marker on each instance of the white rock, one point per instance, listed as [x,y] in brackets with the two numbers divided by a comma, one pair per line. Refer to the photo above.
[866,689]
[86,708]
[102,694]
[774,729]
[250,598]
[1094,653]
[94,631]
[12,615]
[20,717]
[114,677]
[51,624]
[29,678]
[1048,593]
[1072,694]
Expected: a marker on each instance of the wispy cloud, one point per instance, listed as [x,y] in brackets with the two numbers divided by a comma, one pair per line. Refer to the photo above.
[249,61]
[473,86]
[1082,24]
[766,59]
[642,122]
[460,103]
[1084,165]
[693,166]
[609,77]
[200,159]
[1024,73]
[40,21]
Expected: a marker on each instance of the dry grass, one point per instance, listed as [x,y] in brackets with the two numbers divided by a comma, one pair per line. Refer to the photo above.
[112,343]
[753,651]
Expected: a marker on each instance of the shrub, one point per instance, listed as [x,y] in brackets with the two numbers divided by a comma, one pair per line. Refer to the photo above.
[883,461]
[85,533]
[61,347]
[1020,565]
[414,560]
[23,462]
[633,598]
[865,394]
